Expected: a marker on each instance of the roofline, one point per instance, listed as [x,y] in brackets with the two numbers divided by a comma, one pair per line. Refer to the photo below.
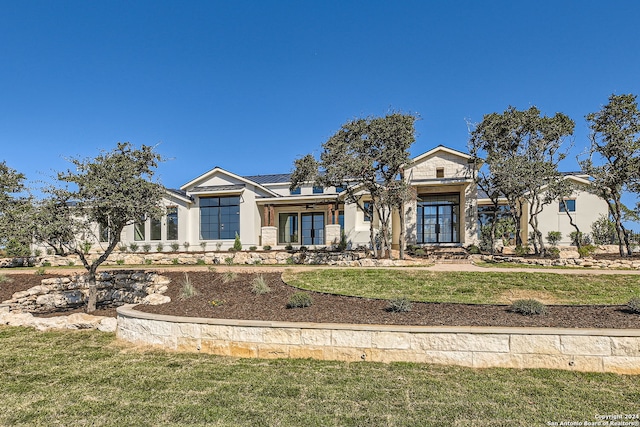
[301,199]
[441,148]
[177,195]
[218,169]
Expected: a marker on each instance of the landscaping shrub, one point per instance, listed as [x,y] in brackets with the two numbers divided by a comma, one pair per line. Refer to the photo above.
[528,307]
[133,247]
[399,305]
[260,286]
[288,247]
[553,252]
[420,252]
[40,271]
[15,248]
[228,276]
[120,262]
[147,262]
[46,264]
[228,260]
[186,246]
[159,247]
[584,238]
[266,247]
[634,305]
[188,290]
[123,247]
[175,261]
[522,250]
[586,250]
[203,245]
[200,261]
[473,249]
[253,248]
[146,248]
[299,300]
[237,245]
[175,247]
[553,237]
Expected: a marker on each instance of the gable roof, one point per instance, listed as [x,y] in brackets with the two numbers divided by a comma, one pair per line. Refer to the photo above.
[218,170]
[444,149]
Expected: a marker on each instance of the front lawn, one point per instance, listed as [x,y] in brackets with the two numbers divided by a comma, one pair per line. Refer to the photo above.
[470,287]
[87,378]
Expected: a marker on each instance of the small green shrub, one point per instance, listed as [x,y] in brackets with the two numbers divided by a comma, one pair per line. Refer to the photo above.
[175,261]
[175,247]
[260,286]
[50,252]
[253,248]
[120,262]
[203,245]
[15,248]
[218,246]
[553,252]
[586,250]
[216,302]
[40,271]
[528,307]
[522,250]
[290,260]
[228,260]
[343,243]
[37,252]
[288,247]
[71,263]
[46,264]
[634,305]
[186,246]
[86,247]
[266,247]
[133,247]
[420,252]
[399,305]
[146,248]
[473,249]
[188,290]
[148,262]
[303,249]
[584,238]
[299,300]
[159,247]
[200,261]
[123,247]
[553,237]
[229,276]
[237,245]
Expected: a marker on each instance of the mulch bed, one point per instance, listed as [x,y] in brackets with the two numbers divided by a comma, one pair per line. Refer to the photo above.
[239,302]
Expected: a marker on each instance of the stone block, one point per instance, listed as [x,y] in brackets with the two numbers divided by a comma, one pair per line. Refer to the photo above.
[243,350]
[389,356]
[459,358]
[282,336]
[186,344]
[247,334]
[391,340]
[221,348]
[346,354]
[586,345]
[461,342]
[496,360]
[625,346]
[315,337]
[622,365]
[273,351]
[346,338]
[535,344]
[216,332]
[186,330]
[304,352]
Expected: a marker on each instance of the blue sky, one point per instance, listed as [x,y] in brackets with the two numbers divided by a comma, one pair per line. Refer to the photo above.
[251,85]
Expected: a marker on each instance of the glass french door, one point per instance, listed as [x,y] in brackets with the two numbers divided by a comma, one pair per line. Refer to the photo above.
[312,228]
[438,219]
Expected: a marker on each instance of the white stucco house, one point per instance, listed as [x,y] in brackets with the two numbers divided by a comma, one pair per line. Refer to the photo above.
[210,209]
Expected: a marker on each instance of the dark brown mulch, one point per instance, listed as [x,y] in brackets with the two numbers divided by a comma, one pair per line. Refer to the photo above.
[240,303]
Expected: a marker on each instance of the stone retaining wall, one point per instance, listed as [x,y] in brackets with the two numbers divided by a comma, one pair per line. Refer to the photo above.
[633,264]
[117,287]
[346,259]
[593,350]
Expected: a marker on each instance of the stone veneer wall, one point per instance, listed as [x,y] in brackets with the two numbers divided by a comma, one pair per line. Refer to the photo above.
[117,287]
[594,350]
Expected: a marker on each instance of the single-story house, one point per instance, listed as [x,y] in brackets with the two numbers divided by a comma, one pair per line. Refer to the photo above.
[212,208]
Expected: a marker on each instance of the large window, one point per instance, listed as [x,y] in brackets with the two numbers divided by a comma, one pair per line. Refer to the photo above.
[571,205]
[138,230]
[156,229]
[288,228]
[438,218]
[172,223]
[219,217]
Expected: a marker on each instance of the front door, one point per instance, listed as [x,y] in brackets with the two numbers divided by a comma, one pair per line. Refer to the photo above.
[438,219]
[312,229]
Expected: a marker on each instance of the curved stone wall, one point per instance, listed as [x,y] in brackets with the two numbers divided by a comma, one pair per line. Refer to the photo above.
[594,350]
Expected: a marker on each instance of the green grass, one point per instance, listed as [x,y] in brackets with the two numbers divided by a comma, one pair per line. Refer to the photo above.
[86,378]
[470,287]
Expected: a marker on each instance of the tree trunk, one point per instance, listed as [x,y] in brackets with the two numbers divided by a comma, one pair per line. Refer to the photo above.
[573,224]
[93,292]
[401,236]
[623,239]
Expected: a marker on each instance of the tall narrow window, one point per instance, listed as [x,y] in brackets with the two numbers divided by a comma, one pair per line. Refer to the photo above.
[138,230]
[368,211]
[172,223]
[219,217]
[288,228]
[156,229]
